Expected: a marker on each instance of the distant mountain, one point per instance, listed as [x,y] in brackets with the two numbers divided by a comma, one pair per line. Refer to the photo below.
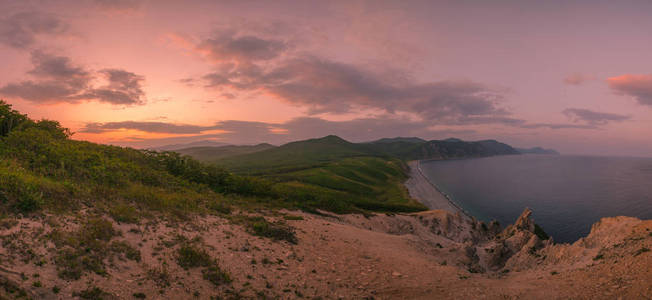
[296,155]
[313,152]
[443,149]
[415,140]
[212,154]
[204,143]
[453,140]
[537,150]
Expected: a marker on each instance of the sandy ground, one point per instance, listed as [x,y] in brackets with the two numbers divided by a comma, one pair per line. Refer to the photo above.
[424,191]
[416,256]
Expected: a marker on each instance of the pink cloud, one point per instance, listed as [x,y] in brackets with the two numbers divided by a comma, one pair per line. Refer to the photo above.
[637,86]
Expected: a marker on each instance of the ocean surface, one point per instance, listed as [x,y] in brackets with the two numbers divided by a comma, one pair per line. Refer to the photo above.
[567,194]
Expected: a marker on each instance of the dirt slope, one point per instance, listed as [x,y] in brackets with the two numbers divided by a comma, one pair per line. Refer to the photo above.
[427,255]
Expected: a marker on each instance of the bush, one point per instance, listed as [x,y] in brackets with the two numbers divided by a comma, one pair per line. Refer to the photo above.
[93,293]
[86,249]
[124,213]
[216,275]
[277,231]
[190,256]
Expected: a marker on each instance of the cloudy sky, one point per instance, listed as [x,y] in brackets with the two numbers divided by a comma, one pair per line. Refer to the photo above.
[571,75]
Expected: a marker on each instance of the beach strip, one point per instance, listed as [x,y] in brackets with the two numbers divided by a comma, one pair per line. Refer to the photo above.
[421,189]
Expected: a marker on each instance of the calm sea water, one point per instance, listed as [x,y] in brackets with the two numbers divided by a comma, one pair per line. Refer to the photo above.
[566,193]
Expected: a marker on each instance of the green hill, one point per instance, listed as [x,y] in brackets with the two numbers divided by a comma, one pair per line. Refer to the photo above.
[296,155]
[212,154]
[367,175]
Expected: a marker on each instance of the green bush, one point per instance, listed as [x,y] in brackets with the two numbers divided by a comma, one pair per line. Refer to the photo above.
[124,213]
[277,231]
[85,249]
[216,275]
[191,256]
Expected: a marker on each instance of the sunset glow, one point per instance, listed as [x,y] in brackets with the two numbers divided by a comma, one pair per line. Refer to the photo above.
[150,73]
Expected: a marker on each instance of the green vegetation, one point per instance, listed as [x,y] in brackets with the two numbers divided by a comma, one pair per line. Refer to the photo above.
[295,156]
[277,231]
[94,293]
[192,256]
[212,154]
[330,174]
[292,218]
[86,249]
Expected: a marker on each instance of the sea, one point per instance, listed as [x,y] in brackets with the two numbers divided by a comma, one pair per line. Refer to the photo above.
[566,193]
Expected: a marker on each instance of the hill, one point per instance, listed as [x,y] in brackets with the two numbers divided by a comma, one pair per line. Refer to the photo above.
[368,175]
[204,143]
[296,155]
[42,169]
[443,149]
[212,154]
[415,140]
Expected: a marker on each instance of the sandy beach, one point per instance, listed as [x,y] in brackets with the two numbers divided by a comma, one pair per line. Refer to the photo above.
[422,189]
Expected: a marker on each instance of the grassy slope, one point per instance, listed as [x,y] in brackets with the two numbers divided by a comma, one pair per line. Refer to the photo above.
[332,170]
[213,154]
[295,156]
[42,169]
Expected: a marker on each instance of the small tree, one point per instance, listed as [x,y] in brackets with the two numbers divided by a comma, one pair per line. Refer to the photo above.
[10,119]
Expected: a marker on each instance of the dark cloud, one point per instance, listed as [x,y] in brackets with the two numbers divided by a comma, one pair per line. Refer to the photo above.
[229,45]
[56,67]
[637,86]
[592,117]
[325,86]
[258,63]
[20,30]
[152,127]
[57,79]
[123,88]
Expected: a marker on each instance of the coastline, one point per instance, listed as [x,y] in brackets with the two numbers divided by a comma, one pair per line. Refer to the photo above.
[426,192]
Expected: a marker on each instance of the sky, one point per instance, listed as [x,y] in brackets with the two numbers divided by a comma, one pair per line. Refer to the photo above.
[575,76]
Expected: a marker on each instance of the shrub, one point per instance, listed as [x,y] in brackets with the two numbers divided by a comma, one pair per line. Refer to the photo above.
[293,218]
[129,252]
[124,213]
[84,250]
[190,256]
[93,293]
[216,275]
[276,231]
